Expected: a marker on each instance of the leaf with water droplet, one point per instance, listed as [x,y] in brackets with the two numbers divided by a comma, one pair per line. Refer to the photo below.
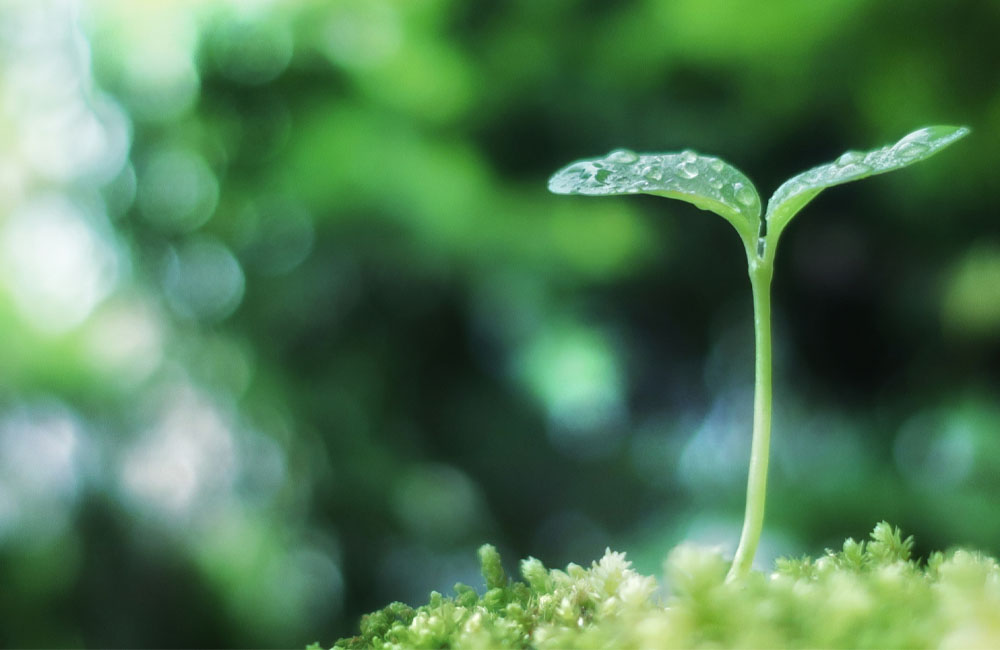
[799,190]
[705,181]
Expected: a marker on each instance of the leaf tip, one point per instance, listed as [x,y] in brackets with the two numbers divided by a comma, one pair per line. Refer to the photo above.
[554,185]
[559,182]
[942,134]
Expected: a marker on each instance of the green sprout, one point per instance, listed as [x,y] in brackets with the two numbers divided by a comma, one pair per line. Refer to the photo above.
[713,185]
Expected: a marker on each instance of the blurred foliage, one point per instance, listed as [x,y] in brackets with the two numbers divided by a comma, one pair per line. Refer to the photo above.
[289,322]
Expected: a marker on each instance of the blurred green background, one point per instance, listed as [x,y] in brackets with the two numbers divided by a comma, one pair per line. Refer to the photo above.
[289,324]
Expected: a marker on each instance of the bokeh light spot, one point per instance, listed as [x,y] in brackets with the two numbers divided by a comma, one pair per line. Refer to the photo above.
[971,302]
[120,192]
[125,340]
[44,452]
[186,461]
[715,457]
[253,50]
[437,502]
[55,263]
[280,237]
[203,280]
[934,450]
[160,81]
[177,190]
[362,35]
[575,372]
[79,138]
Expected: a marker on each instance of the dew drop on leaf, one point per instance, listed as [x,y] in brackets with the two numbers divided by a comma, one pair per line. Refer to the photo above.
[623,156]
[704,181]
[744,194]
[813,176]
[796,192]
[909,150]
[853,168]
[687,167]
[687,170]
[913,145]
[850,158]
[654,173]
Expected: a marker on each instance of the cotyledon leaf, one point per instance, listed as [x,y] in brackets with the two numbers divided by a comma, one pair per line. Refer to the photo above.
[797,191]
[707,182]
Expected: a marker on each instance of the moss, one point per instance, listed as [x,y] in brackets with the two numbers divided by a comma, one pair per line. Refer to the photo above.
[869,594]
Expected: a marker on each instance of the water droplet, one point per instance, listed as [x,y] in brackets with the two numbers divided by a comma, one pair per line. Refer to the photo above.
[852,169]
[914,145]
[744,194]
[812,176]
[920,135]
[687,167]
[716,183]
[850,158]
[623,156]
[716,165]
[687,170]
[654,173]
[795,187]
[909,150]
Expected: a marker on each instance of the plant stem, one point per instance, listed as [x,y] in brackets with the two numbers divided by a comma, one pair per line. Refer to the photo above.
[761,266]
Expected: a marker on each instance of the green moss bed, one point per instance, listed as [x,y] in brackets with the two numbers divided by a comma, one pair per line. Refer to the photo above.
[870,594]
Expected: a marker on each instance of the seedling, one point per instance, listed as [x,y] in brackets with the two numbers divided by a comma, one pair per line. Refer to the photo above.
[713,185]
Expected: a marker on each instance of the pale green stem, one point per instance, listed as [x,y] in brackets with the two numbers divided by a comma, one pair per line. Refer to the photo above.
[761,267]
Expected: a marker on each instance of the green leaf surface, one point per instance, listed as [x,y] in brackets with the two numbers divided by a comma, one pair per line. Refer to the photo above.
[797,191]
[705,181]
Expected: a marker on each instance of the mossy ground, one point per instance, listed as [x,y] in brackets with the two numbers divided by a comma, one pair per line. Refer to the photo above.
[870,594]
